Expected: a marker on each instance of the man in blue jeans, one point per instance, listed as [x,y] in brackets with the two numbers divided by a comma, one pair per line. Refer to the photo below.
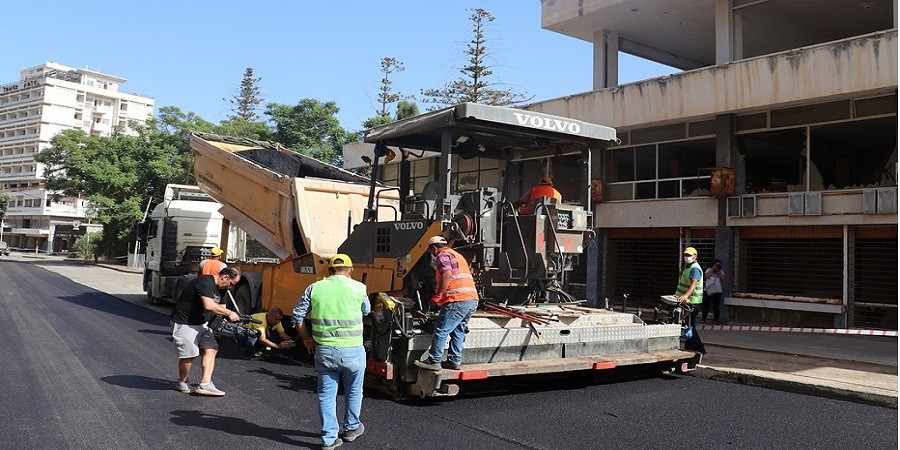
[457,298]
[336,306]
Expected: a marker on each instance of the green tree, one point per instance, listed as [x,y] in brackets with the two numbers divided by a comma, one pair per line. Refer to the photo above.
[246,102]
[474,85]
[407,109]
[4,205]
[117,174]
[88,245]
[309,127]
[386,94]
[244,129]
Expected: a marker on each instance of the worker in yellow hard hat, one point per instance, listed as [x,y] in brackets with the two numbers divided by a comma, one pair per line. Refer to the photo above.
[213,264]
[544,189]
[336,307]
[690,292]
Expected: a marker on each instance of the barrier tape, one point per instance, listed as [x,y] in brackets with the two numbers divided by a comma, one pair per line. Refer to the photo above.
[848,331]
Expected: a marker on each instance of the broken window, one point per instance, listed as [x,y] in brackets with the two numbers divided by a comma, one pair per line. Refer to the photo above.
[856,154]
[774,160]
[670,170]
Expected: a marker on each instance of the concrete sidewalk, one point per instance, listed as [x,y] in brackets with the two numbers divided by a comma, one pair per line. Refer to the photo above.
[860,369]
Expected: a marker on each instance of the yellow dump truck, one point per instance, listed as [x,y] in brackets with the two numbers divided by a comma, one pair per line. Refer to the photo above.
[530,323]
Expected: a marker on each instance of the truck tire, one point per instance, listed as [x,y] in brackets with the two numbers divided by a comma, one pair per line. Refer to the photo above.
[243,298]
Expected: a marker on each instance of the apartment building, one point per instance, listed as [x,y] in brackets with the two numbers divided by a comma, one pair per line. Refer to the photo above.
[47,99]
[774,150]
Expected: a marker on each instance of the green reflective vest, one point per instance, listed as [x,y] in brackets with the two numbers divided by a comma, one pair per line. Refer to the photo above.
[336,306]
[684,283]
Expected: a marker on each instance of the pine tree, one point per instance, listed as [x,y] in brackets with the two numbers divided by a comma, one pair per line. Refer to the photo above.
[474,86]
[248,98]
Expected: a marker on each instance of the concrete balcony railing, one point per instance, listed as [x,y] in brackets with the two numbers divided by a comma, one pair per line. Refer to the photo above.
[867,64]
[839,207]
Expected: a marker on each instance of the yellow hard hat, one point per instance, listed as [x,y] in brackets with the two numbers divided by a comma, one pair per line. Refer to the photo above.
[216,251]
[546,180]
[340,260]
[690,251]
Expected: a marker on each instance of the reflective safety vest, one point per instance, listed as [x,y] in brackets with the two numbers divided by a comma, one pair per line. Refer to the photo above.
[684,283]
[211,266]
[462,285]
[336,306]
[535,194]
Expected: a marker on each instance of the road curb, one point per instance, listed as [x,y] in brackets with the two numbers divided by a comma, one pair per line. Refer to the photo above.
[781,352]
[729,376]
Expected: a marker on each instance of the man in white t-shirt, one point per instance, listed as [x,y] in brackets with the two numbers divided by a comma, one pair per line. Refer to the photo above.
[712,291]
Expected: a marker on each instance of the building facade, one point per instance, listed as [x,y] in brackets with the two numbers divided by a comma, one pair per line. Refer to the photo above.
[47,99]
[774,151]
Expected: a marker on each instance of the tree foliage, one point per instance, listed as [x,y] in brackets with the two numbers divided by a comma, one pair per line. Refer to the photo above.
[4,205]
[474,85]
[309,127]
[246,102]
[117,174]
[407,109]
[386,94]
[244,129]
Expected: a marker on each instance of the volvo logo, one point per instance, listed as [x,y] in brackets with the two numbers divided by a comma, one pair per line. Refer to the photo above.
[409,226]
[563,126]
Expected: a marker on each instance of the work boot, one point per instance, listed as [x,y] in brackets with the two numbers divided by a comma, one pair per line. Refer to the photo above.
[450,365]
[428,364]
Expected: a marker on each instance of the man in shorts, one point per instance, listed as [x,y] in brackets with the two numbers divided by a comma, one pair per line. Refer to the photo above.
[190,332]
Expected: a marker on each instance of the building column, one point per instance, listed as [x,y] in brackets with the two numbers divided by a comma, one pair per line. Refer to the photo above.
[725,37]
[724,236]
[606,59]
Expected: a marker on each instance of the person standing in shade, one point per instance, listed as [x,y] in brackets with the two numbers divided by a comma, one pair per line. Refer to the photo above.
[336,306]
[213,264]
[457,298]
[712,291]
[690,291]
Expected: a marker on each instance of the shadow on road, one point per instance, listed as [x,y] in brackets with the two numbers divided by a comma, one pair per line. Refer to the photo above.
[139,382]
[232,425]
[291,382]
[113,305]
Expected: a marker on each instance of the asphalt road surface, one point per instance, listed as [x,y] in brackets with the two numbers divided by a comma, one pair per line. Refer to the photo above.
[84,370]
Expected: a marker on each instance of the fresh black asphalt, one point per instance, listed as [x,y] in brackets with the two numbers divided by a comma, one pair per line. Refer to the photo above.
[84,370]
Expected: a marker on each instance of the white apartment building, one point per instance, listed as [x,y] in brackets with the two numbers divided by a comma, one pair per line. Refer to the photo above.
[774,150]
[47,99]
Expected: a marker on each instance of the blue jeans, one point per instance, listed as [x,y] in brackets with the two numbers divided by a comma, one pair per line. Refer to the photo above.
[339,364]
[451,322]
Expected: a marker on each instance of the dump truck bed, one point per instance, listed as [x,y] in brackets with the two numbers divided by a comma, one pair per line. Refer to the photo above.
[289,202]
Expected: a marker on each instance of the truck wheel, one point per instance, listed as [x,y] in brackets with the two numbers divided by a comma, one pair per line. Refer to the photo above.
[243,298]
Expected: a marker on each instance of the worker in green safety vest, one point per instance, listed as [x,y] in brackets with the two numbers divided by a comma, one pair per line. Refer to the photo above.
[690,291]
[336,306]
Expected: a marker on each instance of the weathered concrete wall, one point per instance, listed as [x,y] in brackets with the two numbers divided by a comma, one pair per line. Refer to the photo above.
[685,212]
[810,74]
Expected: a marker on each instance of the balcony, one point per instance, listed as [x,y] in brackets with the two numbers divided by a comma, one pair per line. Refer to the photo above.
[868,64]
[877,206]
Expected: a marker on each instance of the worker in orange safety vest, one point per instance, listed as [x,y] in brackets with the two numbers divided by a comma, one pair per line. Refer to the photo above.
[533,196]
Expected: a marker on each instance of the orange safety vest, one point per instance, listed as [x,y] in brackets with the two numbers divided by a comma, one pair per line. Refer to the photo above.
[462,285]
[212,267]
[535,193]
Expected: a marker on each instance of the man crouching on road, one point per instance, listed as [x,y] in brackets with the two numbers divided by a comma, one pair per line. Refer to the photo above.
[191,333]
[336,306]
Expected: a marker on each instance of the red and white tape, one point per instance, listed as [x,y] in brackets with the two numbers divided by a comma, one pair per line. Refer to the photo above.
[850,331]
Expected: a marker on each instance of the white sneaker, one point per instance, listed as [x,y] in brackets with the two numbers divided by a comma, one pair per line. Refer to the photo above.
[209,390]
[183,387]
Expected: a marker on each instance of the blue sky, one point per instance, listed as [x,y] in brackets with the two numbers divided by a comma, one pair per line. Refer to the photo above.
[192,54]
